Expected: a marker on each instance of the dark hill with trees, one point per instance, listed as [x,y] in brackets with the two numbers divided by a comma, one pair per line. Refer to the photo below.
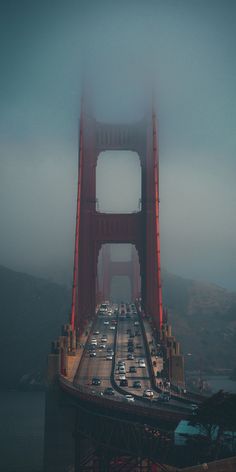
[203,317]
[32,311]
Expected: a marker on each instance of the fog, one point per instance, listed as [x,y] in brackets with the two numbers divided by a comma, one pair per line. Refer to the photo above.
[182,50]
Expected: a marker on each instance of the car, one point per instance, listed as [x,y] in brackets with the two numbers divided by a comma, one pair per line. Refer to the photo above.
[96,332]
[124,383]
[96,381]
[142,363]
[137,384]
[122,377]
[110,351]
[102,346]
[91,347]
[128,331]
[104,339]
[194,408]
[122,370]
[109,357]
[103,308]
[120,362]
[133,369]
[138,346]
[130,357]
[109,391]
[131,334]
[148,393]
[92,354]
[129,398]
[136,323]
[94,342]
[164,397]
[130,348]
[106,322]
[112,328]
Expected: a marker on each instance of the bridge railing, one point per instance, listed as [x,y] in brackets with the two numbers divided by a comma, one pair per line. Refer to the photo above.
[88,393]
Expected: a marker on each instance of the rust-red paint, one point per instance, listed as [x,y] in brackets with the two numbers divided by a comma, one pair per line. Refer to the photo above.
[93,229]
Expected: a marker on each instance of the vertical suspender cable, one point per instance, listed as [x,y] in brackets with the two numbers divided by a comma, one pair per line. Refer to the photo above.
[157,223]
[77,226]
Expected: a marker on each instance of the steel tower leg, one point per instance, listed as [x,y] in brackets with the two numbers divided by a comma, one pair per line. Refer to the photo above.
[94,229]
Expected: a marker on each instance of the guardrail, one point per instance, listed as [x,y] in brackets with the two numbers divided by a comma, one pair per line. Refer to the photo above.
[115,403]
[189,397]
[148,355]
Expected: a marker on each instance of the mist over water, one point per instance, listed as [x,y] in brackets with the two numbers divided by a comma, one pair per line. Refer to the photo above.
[122,51]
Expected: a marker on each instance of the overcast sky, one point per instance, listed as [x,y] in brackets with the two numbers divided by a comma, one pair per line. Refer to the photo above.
[186,50]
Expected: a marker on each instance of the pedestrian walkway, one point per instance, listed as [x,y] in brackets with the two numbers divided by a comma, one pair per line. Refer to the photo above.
[157,362]
[73,359]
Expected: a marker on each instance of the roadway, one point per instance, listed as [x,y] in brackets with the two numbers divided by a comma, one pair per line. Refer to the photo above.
[97,366]
[116,331]
[121,354]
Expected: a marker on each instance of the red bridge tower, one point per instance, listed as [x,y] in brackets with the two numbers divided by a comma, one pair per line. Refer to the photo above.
[93,228]
[110,268]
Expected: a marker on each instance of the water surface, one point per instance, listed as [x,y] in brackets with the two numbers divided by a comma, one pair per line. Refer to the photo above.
[21,431]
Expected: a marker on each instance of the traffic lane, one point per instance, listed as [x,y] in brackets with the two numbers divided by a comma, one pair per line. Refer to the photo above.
[142,374]
[97,366]
[100,367]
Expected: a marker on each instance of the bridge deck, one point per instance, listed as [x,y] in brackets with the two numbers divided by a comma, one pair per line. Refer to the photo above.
[113,332]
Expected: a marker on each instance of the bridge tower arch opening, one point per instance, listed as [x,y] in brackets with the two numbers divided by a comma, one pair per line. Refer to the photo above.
[118,273]
[95,228]
[121,288]
[118,182]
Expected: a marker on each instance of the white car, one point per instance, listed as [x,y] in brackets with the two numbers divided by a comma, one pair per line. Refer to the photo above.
[109,357]
[129,398]
[122,377]
[142,363]
[112,327]
[148,393]
[94,342]
[106,322]
[122,370]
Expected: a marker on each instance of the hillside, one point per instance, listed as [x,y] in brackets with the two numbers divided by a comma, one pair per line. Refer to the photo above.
[203,317]
[32,311]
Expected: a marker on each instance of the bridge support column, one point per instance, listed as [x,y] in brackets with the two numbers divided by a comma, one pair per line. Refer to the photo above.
[78,452]
[59,450]
[103,462]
